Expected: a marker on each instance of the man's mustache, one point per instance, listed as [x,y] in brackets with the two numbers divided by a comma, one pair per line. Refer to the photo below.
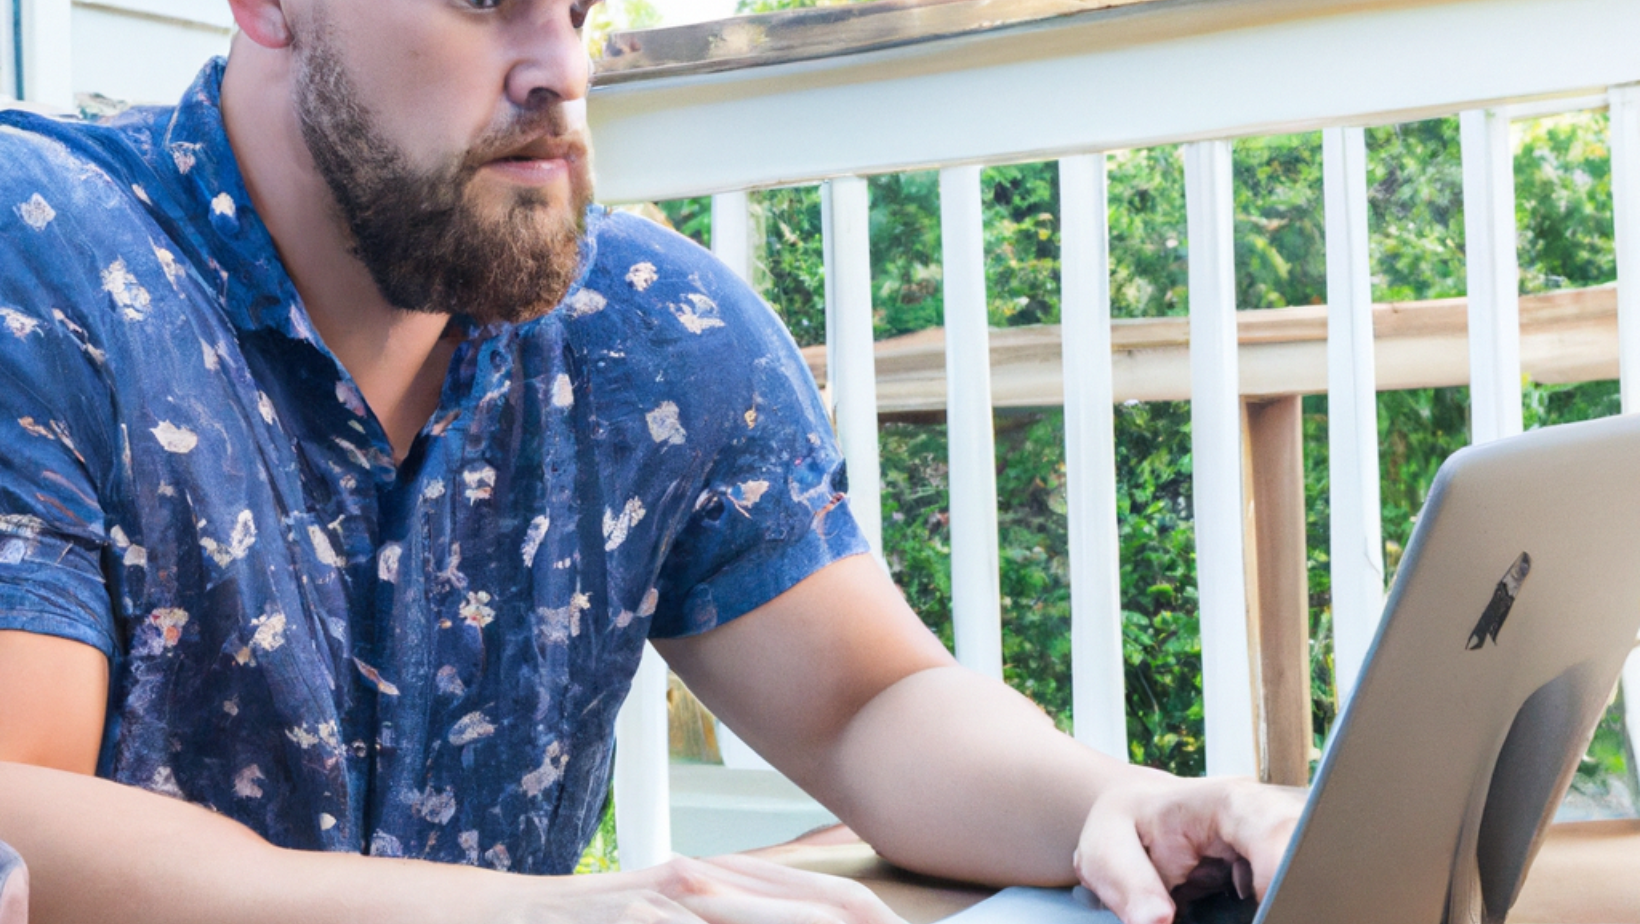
[544,134]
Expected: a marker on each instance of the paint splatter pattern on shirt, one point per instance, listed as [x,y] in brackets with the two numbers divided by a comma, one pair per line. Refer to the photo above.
[421,660]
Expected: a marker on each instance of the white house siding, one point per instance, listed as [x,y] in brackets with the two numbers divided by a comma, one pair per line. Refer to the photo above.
[146,51]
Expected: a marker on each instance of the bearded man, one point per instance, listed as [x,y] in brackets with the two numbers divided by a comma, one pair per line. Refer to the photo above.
[351,456]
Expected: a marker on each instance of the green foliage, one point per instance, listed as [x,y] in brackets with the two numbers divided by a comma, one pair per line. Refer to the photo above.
[1415,209]
[1148,232]
[1415,198]
[602,855]
[1021,207]
[906,275]
[1563,193]
[773,6]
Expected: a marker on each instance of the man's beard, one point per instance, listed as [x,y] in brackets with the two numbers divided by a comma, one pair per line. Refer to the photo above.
[426,246]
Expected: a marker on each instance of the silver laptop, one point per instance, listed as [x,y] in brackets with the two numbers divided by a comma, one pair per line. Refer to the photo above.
[1515,606]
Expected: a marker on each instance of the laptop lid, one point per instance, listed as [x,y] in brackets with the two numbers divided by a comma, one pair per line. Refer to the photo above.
[1511,615]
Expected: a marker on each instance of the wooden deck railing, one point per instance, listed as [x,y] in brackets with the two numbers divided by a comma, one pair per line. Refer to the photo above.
[822,96]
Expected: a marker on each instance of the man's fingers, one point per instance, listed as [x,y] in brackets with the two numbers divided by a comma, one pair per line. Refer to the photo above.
[732,889]
[754,909]
[1258,821]
[1114,866]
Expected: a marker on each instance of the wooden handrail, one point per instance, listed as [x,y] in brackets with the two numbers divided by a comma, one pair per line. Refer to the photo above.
[820,32]
[1566,336]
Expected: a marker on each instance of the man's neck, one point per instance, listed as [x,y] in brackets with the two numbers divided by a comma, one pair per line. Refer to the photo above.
[398,359]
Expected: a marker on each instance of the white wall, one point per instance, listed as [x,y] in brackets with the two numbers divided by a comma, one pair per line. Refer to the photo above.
[8,79]
[8,64]
[146,51]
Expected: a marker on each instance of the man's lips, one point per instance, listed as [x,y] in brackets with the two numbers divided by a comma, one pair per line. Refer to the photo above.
[546,147]
[543,160]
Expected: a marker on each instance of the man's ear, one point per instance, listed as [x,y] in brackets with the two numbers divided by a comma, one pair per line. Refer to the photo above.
[262,21]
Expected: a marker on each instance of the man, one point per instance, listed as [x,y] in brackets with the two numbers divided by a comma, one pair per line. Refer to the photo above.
[350,459]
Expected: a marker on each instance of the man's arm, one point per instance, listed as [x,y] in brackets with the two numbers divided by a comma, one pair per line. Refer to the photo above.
[101,851]
[53,695]
[837,683]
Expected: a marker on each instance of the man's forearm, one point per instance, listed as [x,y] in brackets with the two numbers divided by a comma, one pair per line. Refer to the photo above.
[950,773]
[100,851]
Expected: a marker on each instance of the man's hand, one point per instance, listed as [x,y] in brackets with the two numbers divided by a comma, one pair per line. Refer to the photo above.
[1154,833]
[722,890]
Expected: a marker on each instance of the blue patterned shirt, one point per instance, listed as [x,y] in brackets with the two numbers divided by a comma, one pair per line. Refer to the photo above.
[422,660]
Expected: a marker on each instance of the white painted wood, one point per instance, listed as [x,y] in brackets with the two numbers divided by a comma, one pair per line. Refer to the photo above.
[203,14]
[1097,691]
[732,231]
[853,371]
[643,827]
[1357,542]
[1180,72]
[828,252]
[139,58]
[1559,105]
[976,596]
[1494,275]
[48,53]
[9,12]
[1625,148]
[1216,448]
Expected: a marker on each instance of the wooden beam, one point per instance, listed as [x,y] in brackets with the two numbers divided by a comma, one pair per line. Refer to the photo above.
[790,36]
[1278,587]
[1566,336]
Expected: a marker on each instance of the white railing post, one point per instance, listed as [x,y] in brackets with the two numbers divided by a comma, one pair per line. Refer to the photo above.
[643,791]
[976,596]
[1098,709]
[1357,541]
[851,370]
[1625,148]
[48,53]
[1215,447]
[732,231]
[10,13]
[1625,153]
[1494,275]
[732,244]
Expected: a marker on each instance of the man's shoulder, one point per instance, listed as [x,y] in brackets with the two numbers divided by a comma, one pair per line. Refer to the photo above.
[70,165]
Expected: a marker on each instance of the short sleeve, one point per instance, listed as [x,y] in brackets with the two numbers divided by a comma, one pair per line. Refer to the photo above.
[774,509]
[52,529]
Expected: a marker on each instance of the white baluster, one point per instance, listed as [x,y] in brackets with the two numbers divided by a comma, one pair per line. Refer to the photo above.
[732,243]
[9,10]
[976,597]
[851,348]
[48,53]
[643,791]
[1625,148]
[1097,690]
[1494,276]
[732,231]
[1357,545]
[1215,446]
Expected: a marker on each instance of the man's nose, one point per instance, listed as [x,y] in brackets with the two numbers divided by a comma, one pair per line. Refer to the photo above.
[550,62]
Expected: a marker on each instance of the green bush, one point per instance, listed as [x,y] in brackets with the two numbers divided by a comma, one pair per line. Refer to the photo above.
[1417,252]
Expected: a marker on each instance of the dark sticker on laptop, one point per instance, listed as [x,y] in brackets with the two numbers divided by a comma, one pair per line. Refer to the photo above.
[1503,599]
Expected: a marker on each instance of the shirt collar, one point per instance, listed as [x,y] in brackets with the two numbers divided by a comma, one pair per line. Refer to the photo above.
[257,292]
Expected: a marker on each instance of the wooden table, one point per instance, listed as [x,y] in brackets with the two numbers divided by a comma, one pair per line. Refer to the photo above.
[1586,873]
